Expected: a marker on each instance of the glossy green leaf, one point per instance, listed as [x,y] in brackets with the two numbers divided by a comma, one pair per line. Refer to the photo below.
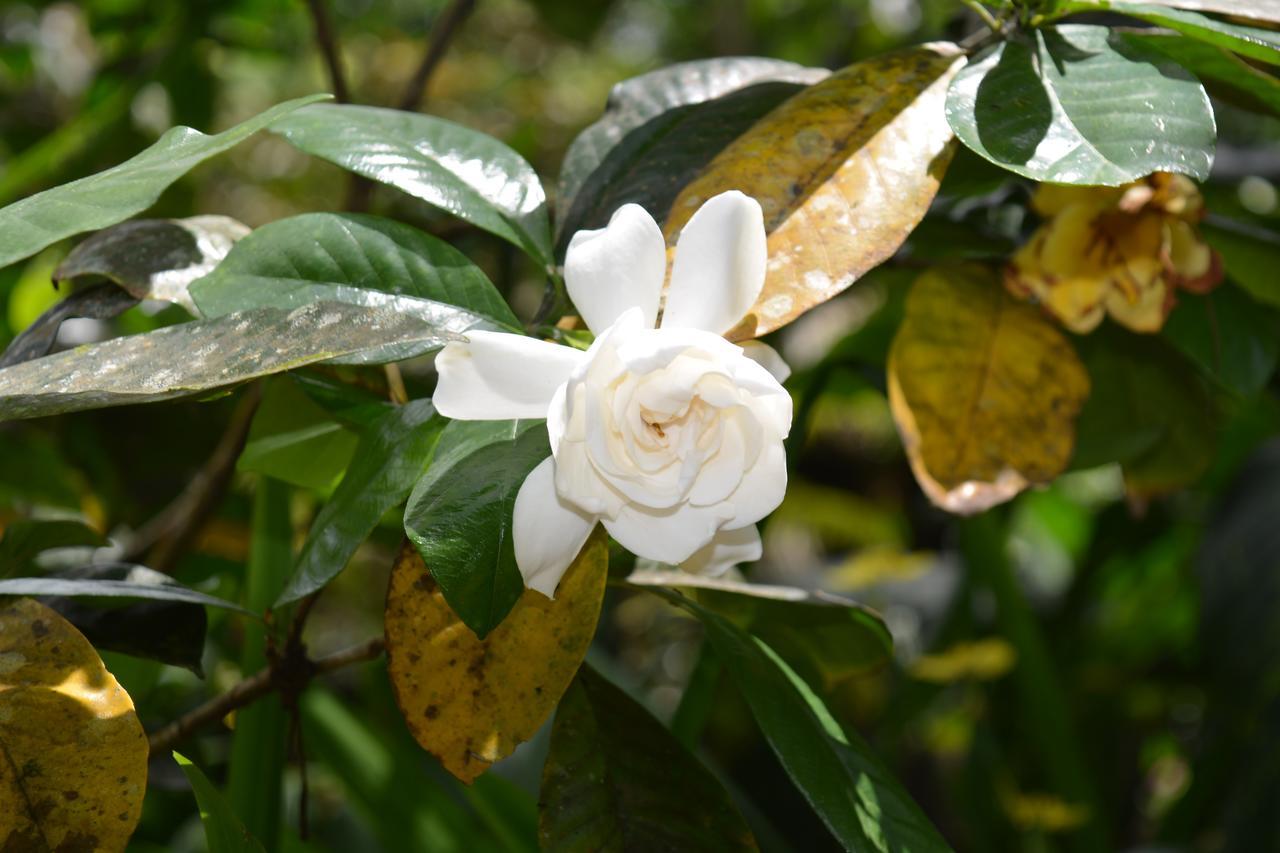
[634,102]
[122,191]
[653,162]
[388,462]
[294,440]
[459,170]
[1077,104]
[616,779]
[204,355]
[99,302]
[865,808]
[169,631]
[1250,256]
[155,258]
[459,515]
[24,539]
[223,831]
[1253,42]
[364,260]
[1224,74]
[825,638]
[1233,339]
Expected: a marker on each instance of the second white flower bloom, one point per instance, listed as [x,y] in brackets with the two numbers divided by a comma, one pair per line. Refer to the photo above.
[670,436]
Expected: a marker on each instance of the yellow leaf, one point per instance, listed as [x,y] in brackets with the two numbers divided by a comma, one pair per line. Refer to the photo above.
[73,756]
[844,170]
[470,702]
[985,390]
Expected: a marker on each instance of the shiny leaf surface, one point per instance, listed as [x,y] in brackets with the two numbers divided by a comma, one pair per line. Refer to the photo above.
[1224,74]
[844,171]
[616,779]
[1078,104]
[984,389]
[468,701]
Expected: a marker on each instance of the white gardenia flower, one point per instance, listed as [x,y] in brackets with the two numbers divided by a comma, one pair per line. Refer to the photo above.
[669,436]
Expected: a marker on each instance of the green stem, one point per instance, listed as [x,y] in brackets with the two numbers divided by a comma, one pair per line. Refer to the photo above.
[695,704]
[1041,695]
[986,16]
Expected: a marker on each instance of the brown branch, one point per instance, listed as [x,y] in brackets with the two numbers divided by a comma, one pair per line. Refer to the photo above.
[442,30]
[166,537]
[329,49]
[253,688]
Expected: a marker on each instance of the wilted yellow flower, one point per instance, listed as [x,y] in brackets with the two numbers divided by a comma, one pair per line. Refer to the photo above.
[1121,251]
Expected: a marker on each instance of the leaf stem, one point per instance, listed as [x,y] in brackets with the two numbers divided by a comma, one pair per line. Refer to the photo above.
[986,16]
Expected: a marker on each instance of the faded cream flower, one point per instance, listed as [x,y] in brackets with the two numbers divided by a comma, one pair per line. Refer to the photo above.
[665,432]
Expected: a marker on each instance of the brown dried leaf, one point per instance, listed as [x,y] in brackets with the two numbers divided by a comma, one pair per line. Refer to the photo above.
[844,171]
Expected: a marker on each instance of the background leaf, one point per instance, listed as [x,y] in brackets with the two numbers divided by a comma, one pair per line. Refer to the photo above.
[1078,104]
[843,170]
[1240,359]
[98,302]
[25,539]
[222,829]
[136,582]
[616,779]
[470,702]
[984,389]
[462,171]
[65,726]
[1253,42]
[459,515]
[112,196]
[294,440]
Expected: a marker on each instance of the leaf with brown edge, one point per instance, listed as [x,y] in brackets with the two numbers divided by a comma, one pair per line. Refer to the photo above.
[984,388]
[470,702]
[844,170]
[73,756]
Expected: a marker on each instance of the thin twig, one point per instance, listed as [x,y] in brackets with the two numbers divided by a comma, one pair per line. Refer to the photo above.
[442,30]
[166,537]
[329,49]
[981,11]
[252,688]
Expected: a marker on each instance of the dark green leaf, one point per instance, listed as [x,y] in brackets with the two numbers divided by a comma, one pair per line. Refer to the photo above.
[634,102]
[155,258]
[349,402]
[222,829]
[616,779]
[171,632]
[1224,74]
[860,802]
[106,198]
[134,582]
[459,515]
[294,440]
[1253,42]
[653,162]
[1077,104]
[192,358]
[462,171]
[24,539]
[364,260]
[1250,256]
[100,302]
[1233,339]
[388,462]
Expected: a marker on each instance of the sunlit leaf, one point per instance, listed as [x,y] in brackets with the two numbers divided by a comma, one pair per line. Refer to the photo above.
[75,767]
[1260,10]
[463,171]
[844,171]
[155,258]
[388,462]
[1224,74]
[223,831]
[122,191]
[616,779]
[204,355]
[984,388]
[1252,42]
[1078,104]
[634,102]
[470,702]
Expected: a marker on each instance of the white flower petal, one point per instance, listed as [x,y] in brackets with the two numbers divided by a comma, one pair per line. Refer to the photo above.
[728,549]
[719,267]
[617,267]
[547,531]
[497,375]
[763,487]
[768,358]
[665,535]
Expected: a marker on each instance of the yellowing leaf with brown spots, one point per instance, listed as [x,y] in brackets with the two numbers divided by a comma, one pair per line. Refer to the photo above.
[73,756]
[844,170]
[984,388]
[470,702]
